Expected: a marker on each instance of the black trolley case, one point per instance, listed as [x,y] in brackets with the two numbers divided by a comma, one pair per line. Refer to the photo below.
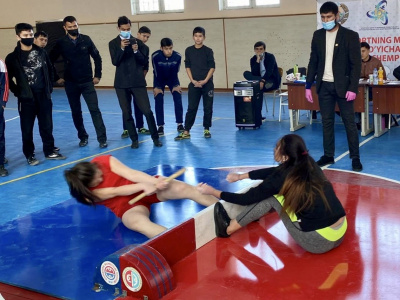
[248,103]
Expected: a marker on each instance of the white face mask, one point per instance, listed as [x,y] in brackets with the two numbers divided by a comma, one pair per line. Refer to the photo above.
[125,34]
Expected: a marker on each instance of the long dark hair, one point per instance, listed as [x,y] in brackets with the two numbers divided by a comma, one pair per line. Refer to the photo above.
[305,180]
[79,178]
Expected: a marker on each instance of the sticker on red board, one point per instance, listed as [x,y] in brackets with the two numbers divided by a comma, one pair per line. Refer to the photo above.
[132,279]
[109,272]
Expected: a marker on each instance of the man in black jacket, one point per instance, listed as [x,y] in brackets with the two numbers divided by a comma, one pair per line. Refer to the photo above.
[335,64]
[30,76]
[263,68]
[127,55]
[76,49]
[143,34]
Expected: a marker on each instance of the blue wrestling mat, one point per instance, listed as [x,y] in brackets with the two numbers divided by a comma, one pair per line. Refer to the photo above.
[55,251]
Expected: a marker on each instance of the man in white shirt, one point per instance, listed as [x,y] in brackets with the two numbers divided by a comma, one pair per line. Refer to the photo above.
[335,65]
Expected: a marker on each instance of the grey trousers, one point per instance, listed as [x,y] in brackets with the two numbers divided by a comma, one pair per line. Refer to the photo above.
[310,241]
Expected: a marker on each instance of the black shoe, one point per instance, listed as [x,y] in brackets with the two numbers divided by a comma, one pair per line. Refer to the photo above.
[221,220]
[3,171]
[83,142]
[135,144]
[325,160]
[157,143]
[32,161]
[180,128]
[356,165]
[56,149]
[55,156]
[160,130]
[125,134]
[103,145]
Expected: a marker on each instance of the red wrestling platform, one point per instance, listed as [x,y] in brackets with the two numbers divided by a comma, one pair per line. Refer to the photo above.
[262,261]
[258,262]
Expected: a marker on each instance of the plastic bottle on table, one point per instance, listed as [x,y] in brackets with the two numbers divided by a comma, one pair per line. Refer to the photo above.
[380,76]
[375,76]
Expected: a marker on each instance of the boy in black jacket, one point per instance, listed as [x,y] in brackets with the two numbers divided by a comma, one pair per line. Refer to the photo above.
[76,49]
[127,55]
[31,69]
[200,67]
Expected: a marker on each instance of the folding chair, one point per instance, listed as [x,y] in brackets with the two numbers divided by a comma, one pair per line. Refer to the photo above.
[277,92]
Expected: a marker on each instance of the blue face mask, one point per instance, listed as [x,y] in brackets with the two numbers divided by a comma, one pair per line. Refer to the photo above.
[125,34]
[329,25]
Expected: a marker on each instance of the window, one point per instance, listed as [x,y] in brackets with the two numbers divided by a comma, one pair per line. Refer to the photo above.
[235,4]
[156,6]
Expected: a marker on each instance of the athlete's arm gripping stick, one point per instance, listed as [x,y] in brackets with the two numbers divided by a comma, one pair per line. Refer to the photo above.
[173,176]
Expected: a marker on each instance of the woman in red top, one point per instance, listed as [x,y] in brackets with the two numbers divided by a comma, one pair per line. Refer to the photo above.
[106,181]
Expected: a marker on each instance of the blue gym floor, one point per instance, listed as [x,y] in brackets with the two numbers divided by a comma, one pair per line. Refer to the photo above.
[51,244]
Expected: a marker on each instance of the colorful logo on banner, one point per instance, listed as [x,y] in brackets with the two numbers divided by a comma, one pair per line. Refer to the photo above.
[132,279]
[379,13]
[109,272]
[343,12]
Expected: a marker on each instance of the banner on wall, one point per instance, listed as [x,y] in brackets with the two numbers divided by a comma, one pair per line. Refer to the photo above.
[377,23]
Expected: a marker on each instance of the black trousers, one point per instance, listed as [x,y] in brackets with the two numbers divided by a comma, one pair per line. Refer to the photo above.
[327,98]
[138,117]
[2,137]
[41,107]
[141,98]
[74,92]
[194,96]
[267,85]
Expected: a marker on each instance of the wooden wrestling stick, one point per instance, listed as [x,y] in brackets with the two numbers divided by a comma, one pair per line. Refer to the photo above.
[173,176]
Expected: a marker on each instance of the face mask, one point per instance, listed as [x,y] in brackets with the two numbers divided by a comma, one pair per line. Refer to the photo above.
[73,32]
[125,34]
[329,25]
[27,41]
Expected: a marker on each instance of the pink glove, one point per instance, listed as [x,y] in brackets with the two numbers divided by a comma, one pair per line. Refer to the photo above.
[350,96]
[309,96]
